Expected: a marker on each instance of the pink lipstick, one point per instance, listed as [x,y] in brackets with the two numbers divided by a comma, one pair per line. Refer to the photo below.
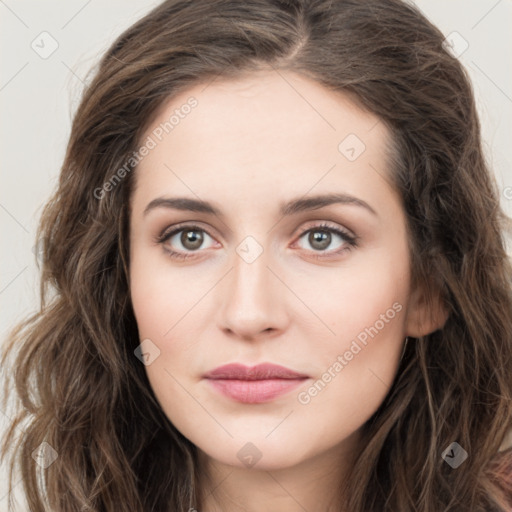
[256,384]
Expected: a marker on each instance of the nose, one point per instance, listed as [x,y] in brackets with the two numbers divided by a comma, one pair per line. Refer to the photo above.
[253,300]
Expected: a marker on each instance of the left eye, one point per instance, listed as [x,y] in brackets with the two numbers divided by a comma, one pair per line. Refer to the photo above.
[321,237]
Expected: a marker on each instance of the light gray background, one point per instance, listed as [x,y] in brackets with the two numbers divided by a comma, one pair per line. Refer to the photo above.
[38,97]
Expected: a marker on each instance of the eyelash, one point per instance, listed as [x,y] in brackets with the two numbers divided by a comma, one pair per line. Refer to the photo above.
[352,241]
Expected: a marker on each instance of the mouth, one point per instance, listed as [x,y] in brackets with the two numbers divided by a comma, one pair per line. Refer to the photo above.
[253,385]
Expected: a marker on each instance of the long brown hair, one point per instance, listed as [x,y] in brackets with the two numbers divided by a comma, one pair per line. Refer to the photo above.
[79,386]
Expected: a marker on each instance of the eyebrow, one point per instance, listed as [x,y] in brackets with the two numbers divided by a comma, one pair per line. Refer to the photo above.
[289,208]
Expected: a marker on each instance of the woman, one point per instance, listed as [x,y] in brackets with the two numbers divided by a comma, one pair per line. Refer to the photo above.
[278,274]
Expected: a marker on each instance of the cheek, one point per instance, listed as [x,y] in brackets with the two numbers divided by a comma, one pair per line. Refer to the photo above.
[169,305]
[164,304]
[370,290]
[364,308]
[160,294]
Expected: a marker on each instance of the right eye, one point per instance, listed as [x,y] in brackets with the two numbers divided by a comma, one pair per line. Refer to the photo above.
[190,237]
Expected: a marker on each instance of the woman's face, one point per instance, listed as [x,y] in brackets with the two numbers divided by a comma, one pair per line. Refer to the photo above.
[291,250]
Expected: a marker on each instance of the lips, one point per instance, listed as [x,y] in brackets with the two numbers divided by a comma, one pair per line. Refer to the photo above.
[256,384]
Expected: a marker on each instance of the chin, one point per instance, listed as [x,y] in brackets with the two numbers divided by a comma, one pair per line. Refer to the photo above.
[258,454]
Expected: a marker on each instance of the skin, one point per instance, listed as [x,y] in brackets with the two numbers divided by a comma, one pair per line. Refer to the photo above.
[250,145]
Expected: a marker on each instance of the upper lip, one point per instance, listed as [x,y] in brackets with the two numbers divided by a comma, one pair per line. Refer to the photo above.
[236,371]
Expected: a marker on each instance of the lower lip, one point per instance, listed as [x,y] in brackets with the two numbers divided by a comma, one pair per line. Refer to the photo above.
[254,391]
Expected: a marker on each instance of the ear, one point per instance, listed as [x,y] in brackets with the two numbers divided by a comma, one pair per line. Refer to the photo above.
[423,317]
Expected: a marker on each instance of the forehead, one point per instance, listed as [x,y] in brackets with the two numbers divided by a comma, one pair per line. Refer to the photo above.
[265,130]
